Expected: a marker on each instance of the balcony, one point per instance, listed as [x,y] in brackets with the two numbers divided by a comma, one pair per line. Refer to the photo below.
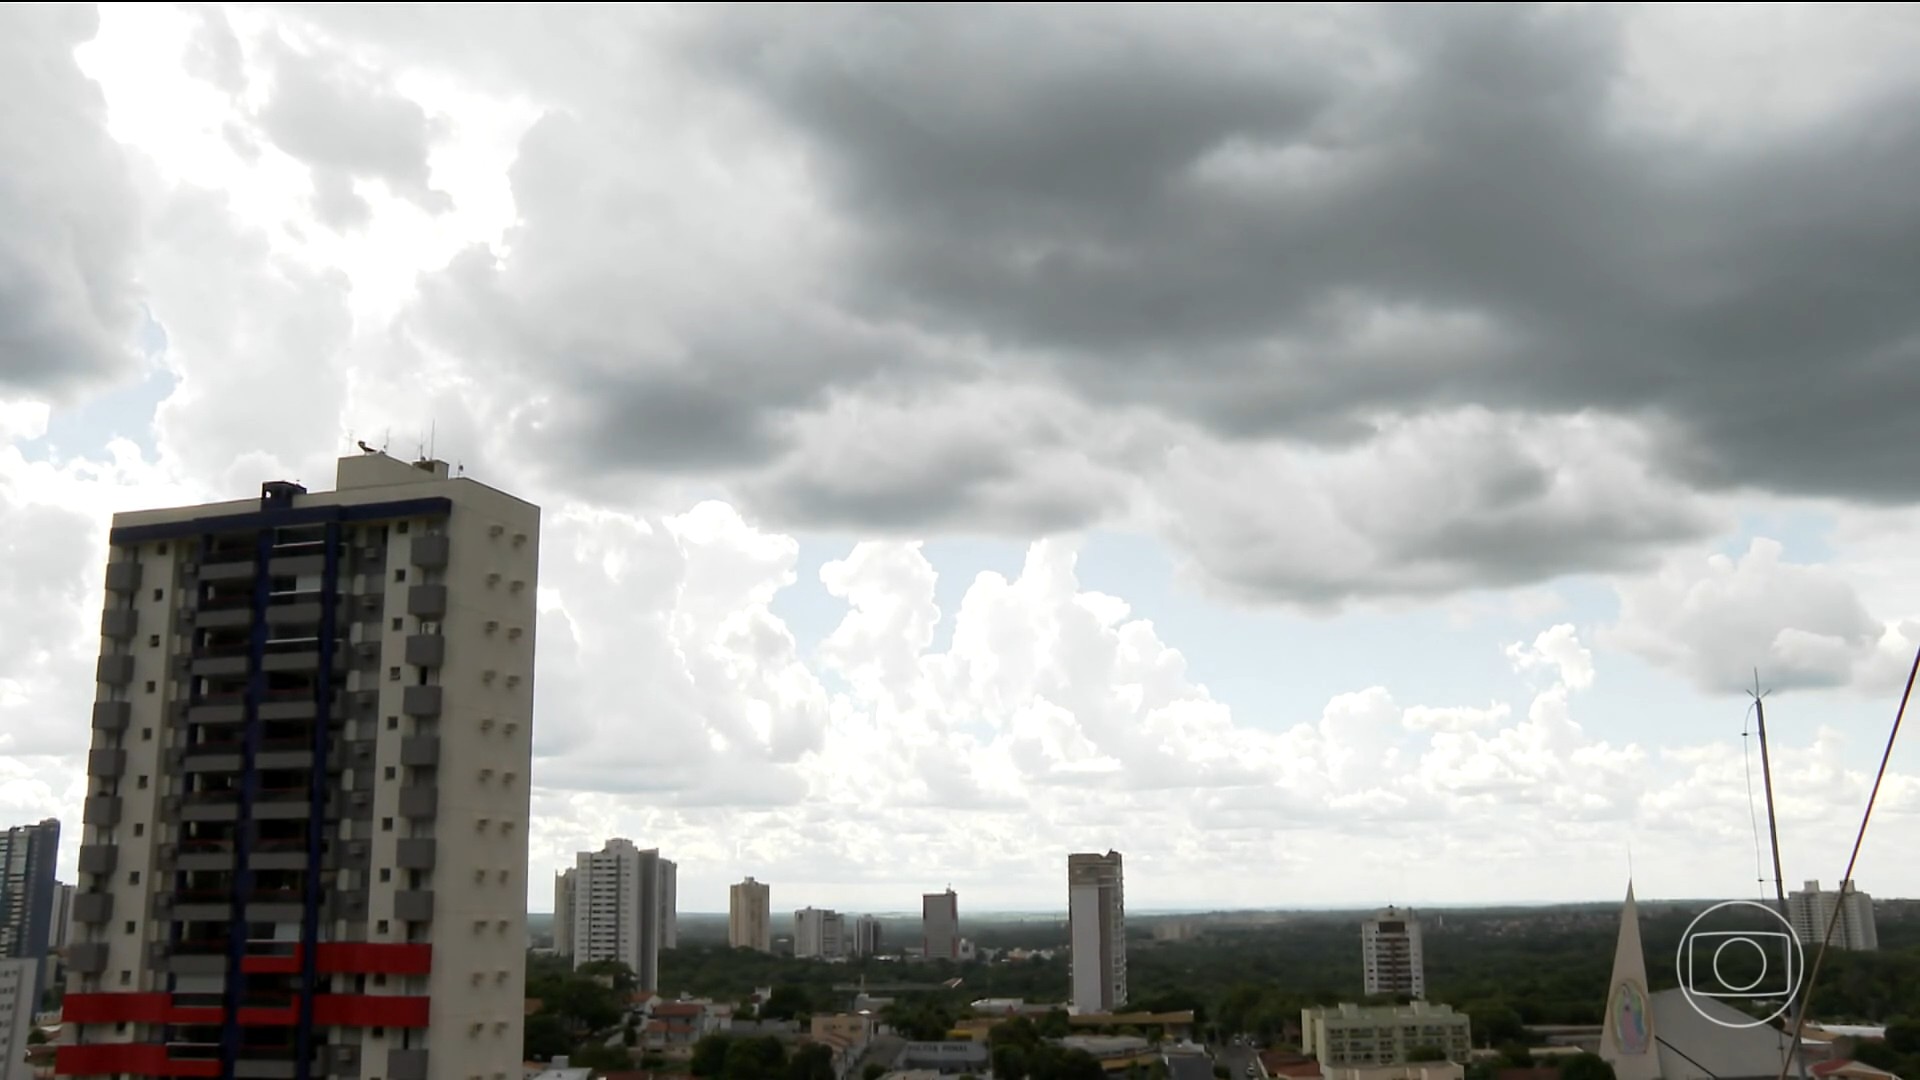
[420,751]
[92,908]
[429,552]
[114,669]
[413,905]
[87,957]
[123,577]
[111,716]
[415,853]
[107,764]
[98,858]
[302,561]
[419,803]
[119,624]
[427,601]
[103,810]
[421,701]
[406,1064]
[426,650]
[237,569]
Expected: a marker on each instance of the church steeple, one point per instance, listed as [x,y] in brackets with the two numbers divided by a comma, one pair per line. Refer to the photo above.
[1627,1039]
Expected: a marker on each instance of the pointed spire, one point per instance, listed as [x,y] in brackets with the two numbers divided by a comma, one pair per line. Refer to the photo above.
[1627,1039]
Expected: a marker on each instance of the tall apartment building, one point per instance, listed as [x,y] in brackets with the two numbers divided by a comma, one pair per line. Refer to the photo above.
[865,940]
[1811,910]
[940,925]
[28,894]
[669,904]
[53,969]
[616,909]
[1346,1036]
[1097,932]
[305,830]
[750,916]
[18,1002]
[819,934]
[1390,954]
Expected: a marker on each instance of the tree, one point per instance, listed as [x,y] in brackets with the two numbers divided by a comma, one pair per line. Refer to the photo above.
[758,1057]
[545,1037]
[619,977]
[709,1055]
[785,1002]
[873,1071]
[1903,1035]
[1220,1072]
[1516,1056]
[814,1061]
[1586,1067]
[598,1055]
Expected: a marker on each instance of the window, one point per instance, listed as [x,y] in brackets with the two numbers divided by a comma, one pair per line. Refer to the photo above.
[141,784]
[153,641]
[393,723]
[139,828]
[393,674]
[398,623]
[151,687]
[386,874]
[400,574]
[400,527]
[159,593]
[380,928]
[126,978]
[390,772]
[386,824]
[133,878]
[129,926]
[146,734]
[159,549]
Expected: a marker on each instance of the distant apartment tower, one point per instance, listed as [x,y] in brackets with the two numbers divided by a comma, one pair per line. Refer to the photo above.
[940,925]
[750,916]
[17,1006]
[819,934]
[1360,1036]
[1390,954]
[304,843]
[1812,910]
[616,909]
[29,894]
[1097,932]
[866,936]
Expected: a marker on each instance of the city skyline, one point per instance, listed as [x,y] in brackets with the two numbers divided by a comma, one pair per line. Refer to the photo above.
[1231,426]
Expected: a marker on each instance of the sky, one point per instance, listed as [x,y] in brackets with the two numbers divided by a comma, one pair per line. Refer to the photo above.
[1334,455]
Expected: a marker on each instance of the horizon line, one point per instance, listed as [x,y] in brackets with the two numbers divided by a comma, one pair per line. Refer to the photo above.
[1330,909]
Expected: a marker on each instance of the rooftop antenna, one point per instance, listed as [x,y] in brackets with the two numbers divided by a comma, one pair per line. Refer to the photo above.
[386,439]
[433,431]
[1779,879]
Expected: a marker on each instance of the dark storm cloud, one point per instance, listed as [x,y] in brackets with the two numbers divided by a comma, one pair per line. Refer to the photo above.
[68,304]
[1054,180]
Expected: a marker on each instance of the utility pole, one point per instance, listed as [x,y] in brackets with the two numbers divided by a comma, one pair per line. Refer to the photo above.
[1779,879]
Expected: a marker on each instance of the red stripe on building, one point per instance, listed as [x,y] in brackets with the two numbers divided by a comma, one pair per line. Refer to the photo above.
[369,1010]
[374,958]
[136,1059]
[114,1009]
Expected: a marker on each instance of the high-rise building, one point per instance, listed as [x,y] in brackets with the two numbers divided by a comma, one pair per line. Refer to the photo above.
[866,936]
[563,894]
[304,845]
[18,1003]
[616,912]
[53,968]
[1390,954]
[819,934]
[1097,932]
[1811,911]
[669,904]
[940,925]
[750,916]
[28,854]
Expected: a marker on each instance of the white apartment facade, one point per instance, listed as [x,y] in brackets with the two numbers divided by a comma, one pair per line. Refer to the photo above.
[750,916]
[17,1006]
[819,934]
[617,904]
[940,925]
[308,788]
[1811,910]
[1391,956]
[1359,1036]
[1097,931]
[865,939]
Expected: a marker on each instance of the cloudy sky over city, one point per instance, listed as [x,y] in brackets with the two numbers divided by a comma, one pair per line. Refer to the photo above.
[1333,455]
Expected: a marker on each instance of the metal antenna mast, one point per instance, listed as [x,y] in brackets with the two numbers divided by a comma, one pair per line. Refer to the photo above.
[1773,837]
